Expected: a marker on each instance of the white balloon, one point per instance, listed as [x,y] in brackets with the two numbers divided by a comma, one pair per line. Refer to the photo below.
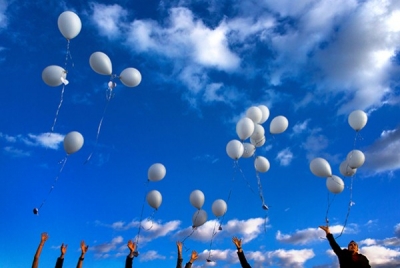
[73,142]
[219,208]
[53,75]
[244,128]
[197,199]
[265,113]
[278,125]
[261,164]
[156,172]
[199,218]
[130,77]
[355,158]
[154,199]
[357,119]
[258,132]
[234,149]
[320,168]
[249,150]
[69,24]
[100,63]
[346,170]
[334,184]
[258,143]
[254,113]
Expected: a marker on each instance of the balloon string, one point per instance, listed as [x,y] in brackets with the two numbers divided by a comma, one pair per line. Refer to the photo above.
[55,181]
[68,55]
[351,203]
[58,108]
[183,241]
[108,97]
[214,233]
[244,177]
[260,190]
[141,216]
[328,208]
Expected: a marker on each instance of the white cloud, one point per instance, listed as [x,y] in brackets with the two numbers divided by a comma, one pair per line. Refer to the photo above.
[380,256]
[151,255]
[16,152]
[108,19]
[47,140]
[300,127]
[102,250]
[285,157]
[3,16]
[292,258]
[384,154]
[300,237]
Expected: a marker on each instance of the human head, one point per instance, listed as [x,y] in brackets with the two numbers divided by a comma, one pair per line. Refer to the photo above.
[352,246]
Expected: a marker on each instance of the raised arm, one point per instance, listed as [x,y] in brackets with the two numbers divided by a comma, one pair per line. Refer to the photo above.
[60,260]
[43,240]
[193,257]
[332,242]
[129,258]
[180,259]
[240,253]
[84,249]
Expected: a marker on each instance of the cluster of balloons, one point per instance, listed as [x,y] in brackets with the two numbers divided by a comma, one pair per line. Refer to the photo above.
[70,26]
[250,127]
[355,158]
[155,173]
[197,198]
[101,64]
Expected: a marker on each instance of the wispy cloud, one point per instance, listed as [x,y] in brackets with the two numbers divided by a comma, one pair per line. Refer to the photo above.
[384,154]
[285,157]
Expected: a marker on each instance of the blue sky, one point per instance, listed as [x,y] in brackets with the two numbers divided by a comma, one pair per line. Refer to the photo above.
[203,64]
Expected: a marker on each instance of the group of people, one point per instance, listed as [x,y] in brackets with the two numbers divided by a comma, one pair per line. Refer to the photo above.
[348,258]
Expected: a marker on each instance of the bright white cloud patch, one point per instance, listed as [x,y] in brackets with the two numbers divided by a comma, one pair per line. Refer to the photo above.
[47,140]
[285,157]
[384,154]
[108,19]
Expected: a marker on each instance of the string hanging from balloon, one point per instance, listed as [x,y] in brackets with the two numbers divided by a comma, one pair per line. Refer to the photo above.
[109,96]
[73,142]
[219,208]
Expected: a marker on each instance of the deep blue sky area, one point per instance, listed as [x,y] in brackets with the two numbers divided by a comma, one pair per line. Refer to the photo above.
[204,67]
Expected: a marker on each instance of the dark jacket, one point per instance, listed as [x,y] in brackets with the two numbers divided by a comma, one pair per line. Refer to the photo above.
[59,263]
[243,260]
[345,256]
[179,263]
[128,262]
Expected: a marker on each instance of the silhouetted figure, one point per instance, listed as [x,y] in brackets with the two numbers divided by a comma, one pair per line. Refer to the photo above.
[348,258]
[240,253]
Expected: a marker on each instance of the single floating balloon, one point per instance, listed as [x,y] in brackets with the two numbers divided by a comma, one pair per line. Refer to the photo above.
[100,63]
[73,142]
[278,125]
[355,158]
[254,113]
[156,172]
[234,149]
[249,150]
[197,199]
[265,113]
[346,170]
[219,208]
[54,75]
[130,77]
[154,199]
[244,128]
[261,164]
[357,119]
[334,184]
[69,24]
[320,168]
[199,218]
